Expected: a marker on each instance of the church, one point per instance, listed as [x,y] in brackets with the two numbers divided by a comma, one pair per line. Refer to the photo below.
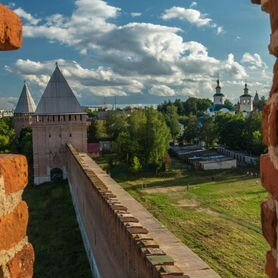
[219,103]
[245,104]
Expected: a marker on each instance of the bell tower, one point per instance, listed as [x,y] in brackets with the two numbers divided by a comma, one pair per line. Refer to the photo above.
[218,97]
[246,103]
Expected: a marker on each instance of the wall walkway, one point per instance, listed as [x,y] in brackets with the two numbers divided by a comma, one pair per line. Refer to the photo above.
[122,238]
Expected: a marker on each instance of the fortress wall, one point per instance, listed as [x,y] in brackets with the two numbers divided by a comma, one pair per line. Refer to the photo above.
[269,161]
[122,239]
[16,254]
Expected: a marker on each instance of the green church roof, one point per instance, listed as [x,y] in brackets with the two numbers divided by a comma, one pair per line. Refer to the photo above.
[218,107]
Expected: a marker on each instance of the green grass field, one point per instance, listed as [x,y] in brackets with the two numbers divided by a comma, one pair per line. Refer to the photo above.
[54,233]
[216,214]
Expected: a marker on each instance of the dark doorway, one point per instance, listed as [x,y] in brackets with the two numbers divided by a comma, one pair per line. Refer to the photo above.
[56,174]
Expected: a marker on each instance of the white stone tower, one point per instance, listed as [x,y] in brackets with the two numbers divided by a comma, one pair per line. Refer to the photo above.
[57,121]
[218,97]
[246,103]
[24,110]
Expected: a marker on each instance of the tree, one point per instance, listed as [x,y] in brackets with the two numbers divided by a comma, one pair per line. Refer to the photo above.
[97,131]
[229,104]
[259,106]
[257,146]
[25,143]
[192,130]
[157,138]
[116,123]
[136,166]
[147,138]
[209,132]
[7,135]
[172,120]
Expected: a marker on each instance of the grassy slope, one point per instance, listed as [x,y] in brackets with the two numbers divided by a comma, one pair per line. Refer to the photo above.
[54,232]
[223,227]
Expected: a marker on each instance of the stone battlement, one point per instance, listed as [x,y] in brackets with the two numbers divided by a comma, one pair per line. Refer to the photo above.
[121,237]
[16,254]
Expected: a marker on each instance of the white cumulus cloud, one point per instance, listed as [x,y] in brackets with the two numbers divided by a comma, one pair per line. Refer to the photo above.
[27,16]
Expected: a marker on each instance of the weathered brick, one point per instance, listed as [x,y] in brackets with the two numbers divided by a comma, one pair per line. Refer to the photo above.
[21,266]
[10,29]
[270,267]
[269,222]
[14,169]
[265,124]
[13,227]
[269,176]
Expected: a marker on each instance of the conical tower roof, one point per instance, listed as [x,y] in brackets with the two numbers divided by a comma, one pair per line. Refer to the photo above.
[58,97]
[25,103]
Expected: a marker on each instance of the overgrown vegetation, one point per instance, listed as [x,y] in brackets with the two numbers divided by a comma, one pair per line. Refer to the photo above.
[7,135]
[54,233]
[140,140]
[216,213]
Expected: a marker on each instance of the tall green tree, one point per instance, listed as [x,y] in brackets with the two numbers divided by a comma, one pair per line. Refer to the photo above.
[116,123]
[97,131]
[209,132]
[147,137]
[157,138]
[192,129]
[172,120]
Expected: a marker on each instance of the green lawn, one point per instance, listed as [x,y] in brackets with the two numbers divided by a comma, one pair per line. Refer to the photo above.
[216,214]
[54,233]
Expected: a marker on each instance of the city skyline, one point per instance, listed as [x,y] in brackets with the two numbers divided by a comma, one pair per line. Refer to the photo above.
[138,52]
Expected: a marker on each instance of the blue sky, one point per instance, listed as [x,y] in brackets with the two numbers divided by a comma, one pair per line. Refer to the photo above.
[139,51]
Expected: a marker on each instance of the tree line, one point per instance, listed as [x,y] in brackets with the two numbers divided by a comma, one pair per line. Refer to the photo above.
[140,139]
[237,132]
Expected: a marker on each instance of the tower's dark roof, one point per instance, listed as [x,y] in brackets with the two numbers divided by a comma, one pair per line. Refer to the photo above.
[218,95]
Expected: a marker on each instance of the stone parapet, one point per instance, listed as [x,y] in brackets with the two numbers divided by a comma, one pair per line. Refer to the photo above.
[16,254]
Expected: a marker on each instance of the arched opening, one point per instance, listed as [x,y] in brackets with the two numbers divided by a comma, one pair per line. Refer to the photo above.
[56,174]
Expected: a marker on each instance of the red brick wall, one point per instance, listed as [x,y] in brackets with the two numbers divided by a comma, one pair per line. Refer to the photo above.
[269,162]
[10,30]
[16,254]
[121,246]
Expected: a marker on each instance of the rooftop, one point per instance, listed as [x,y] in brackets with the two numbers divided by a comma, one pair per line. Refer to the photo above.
[58,98]
[25,103]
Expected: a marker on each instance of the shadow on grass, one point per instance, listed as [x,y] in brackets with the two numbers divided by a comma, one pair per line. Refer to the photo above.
[54,232]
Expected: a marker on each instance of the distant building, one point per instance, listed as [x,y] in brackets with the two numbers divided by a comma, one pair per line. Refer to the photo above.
[246,103]
[256,99]
[24,110]
[6,113]
[58,120]
[218,97]
[219,103]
